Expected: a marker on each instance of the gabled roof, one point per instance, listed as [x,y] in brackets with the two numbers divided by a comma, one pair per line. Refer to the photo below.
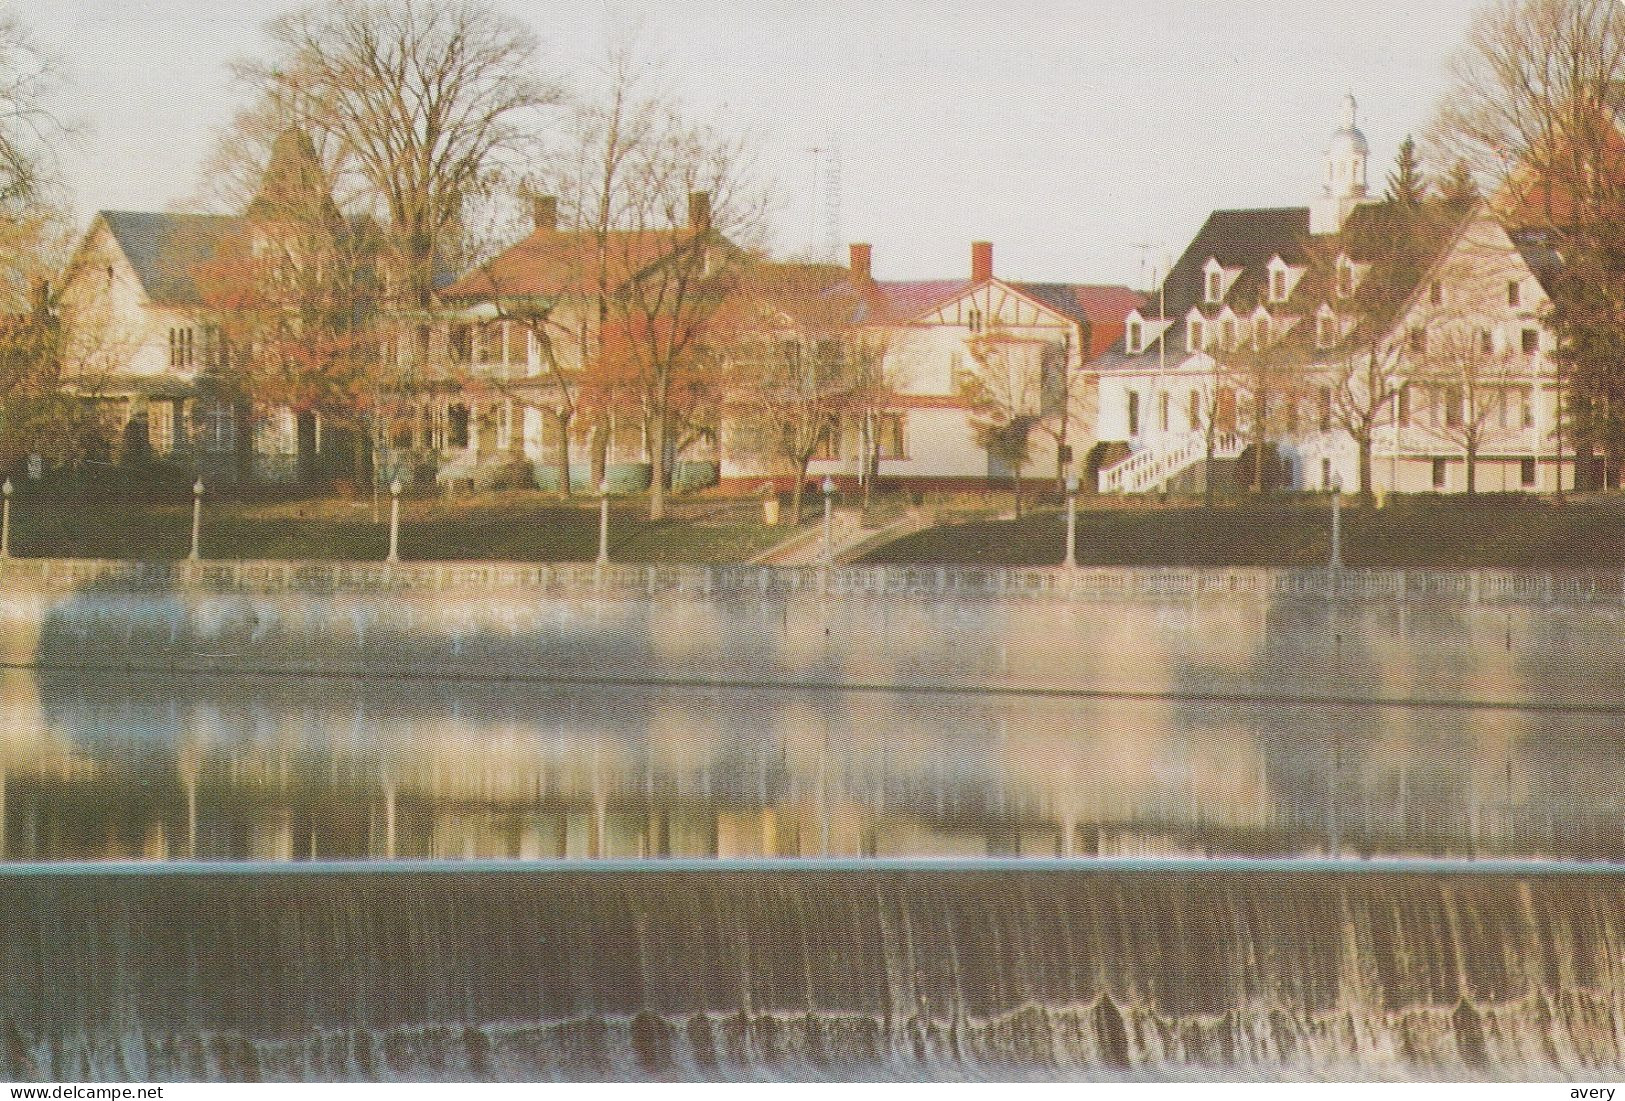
[165,250]
[1084,301]
[895,302]
[892,302]
[550,263]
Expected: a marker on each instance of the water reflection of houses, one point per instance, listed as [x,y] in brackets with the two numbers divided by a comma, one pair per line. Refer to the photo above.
[301,771]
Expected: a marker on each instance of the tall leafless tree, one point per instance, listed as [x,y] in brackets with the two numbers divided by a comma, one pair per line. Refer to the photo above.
[429,102]
[30,127]
[673,209]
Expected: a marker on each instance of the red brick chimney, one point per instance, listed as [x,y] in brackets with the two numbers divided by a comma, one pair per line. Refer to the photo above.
[981,261]
[862,254]
[699,211]
[544,212]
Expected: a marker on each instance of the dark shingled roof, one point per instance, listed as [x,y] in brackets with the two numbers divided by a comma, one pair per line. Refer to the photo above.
[1249,239]
[166,249]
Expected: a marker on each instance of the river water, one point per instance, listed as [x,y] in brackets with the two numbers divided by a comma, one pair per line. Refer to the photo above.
[302,877]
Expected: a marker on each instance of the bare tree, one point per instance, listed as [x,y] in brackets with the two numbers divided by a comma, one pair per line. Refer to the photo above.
[38,414]
[1472,392]
[877,378]
[1393,243]
[1006,395]
[429,102]
[292,302]
[671,209]
[1266,376]
[30,128]
[799,366]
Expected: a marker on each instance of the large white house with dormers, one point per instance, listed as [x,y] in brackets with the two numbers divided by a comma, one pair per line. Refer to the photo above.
[1420,332]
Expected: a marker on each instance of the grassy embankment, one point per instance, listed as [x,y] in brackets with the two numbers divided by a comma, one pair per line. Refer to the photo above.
[511,527]
[1412,533]
[109,522]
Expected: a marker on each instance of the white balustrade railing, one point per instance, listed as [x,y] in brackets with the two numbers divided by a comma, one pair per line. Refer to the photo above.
[1154,466]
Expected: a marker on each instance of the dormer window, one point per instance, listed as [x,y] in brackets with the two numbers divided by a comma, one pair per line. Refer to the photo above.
[1325,329]
[1229,331]
[1136,336]
[1261,331]
[1195,334]
[1345,278]
[1281,279]
[1216,281]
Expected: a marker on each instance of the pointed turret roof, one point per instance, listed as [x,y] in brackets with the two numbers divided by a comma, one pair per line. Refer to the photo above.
[294,186]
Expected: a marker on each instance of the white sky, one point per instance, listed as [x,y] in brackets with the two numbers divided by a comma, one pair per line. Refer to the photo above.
[1065,133]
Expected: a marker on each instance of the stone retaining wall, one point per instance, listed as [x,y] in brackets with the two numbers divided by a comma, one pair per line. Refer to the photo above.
[1476,638]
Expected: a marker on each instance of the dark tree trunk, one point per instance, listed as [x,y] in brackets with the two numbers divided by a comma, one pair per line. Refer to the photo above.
[305,447]
[798,491]
[561,421]
[1366,495]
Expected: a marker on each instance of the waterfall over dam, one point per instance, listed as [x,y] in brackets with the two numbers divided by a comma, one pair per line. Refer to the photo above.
[950,972]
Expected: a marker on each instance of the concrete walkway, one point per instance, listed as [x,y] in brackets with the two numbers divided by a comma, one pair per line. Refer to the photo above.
[850,538]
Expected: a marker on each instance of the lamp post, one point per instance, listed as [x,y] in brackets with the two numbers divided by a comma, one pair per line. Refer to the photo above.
[1071,520]
[197,521]
[5,522]
[1337,523]
[829,523]
[603,521]
[394,521]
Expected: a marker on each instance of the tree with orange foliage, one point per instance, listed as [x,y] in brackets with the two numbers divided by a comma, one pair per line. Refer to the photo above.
[293,302]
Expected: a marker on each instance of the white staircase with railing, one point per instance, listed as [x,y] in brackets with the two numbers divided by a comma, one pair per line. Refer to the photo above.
[1153,467]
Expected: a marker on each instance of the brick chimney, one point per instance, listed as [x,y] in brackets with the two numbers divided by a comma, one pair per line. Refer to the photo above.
[862,254]
[699,211]
[544,212]
[981,261]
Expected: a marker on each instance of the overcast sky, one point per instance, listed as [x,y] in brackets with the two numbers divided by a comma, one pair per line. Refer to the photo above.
[1068,134]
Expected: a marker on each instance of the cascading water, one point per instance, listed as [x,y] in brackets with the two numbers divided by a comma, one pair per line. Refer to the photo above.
[860,972]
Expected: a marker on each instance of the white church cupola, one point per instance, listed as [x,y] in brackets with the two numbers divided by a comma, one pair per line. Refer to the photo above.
[1345,184]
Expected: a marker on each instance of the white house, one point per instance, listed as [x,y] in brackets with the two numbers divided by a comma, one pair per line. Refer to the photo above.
[1037,337]
[132,338]
[141,339]
[1419,332]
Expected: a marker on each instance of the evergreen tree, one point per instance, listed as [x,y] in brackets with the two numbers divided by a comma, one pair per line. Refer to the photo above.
[1458,188]
[1407,186]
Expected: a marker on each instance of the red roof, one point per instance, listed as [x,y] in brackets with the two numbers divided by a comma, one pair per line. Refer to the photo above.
[551,262]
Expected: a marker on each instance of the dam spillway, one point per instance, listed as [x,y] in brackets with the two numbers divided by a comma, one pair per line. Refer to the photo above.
[948,973]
